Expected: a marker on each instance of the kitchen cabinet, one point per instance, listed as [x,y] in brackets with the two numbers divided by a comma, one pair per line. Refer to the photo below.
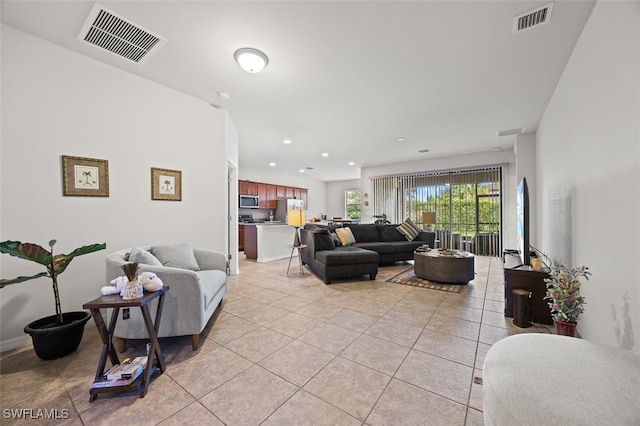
[281,192]
[247,188]
[271,197]
[262,195]
[240,237]
[296,193]
[304,197]
[289,192]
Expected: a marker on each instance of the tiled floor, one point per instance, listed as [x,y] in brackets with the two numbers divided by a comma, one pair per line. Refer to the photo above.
[290,350]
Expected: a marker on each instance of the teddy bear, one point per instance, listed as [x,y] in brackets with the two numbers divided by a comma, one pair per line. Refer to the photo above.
[116,288]
[150,281]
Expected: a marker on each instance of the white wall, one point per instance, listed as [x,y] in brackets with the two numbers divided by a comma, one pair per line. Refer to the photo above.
[56,102]
[525,152]
[587,171]
[335,197]
[504,158]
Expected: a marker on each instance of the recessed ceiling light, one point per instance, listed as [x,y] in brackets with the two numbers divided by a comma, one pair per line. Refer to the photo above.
[401,139]
[287,141]
[351,163]
[272,164]
[301,170]
[422,151]
[325,154]
[251,60]
[309,168]
[497,148]
[223,95]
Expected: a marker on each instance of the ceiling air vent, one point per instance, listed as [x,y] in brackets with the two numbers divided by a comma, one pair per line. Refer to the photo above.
[533,18]
[106,30]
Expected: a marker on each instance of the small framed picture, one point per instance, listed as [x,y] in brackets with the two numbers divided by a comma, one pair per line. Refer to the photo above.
[166,184]
[85,177]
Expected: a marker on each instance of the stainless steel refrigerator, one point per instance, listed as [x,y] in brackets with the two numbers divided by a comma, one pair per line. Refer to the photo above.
[283,207]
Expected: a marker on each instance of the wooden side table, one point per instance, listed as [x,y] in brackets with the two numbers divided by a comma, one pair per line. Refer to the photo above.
[115,302]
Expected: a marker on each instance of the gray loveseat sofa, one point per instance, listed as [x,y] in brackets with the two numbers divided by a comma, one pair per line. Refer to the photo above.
[197,281]
[375,244]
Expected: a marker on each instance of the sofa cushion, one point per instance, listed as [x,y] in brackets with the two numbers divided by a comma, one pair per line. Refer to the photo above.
[322,240]
[405,246]
[378,247]
[336,239]
[390,233]
[346,236]
[176,256]
[409,229]
[346,256]
[365,233]
[142,256]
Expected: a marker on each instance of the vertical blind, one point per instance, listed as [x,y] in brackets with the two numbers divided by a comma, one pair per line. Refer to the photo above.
[466,203]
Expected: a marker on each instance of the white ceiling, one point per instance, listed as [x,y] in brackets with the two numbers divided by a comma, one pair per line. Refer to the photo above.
[345,78]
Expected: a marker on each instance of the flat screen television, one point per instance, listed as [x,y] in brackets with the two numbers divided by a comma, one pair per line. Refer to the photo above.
[522,222]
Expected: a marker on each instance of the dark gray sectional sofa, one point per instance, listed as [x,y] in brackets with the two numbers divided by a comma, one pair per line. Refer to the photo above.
[375,245]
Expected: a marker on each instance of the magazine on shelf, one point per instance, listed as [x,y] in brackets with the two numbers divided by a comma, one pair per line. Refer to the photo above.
[130,368]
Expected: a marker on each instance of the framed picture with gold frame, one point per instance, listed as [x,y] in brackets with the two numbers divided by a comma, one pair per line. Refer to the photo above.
[166,184]
[85,177]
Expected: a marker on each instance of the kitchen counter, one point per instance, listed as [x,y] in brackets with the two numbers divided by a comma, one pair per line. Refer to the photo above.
[267,241]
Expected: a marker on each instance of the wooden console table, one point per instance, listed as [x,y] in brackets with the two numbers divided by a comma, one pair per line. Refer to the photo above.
[527,279]
[154,360]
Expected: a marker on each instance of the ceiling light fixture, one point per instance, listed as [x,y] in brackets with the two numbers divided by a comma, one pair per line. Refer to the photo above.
[351,163]
[400,139]
[325,154]
[223,95]
[287,141]
[301,170]
[272,164]
[422,151]
[251,60]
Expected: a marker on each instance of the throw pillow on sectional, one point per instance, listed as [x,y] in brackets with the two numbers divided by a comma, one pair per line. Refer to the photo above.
[409,229]
[323,241]
[336,239]
[346,236]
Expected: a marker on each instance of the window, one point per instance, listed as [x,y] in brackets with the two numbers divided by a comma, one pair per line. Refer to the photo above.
[352,204]
[466,204]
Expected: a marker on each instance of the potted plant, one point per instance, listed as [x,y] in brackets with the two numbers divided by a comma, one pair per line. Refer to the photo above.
[57,335]
[564,298]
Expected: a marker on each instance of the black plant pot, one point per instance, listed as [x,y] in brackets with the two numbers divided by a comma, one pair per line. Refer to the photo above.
[59,340]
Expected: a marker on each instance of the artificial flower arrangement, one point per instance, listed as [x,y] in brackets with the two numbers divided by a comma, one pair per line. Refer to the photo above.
[563,292]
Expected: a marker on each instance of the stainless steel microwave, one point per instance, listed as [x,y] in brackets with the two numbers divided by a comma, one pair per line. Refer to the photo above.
[248,201]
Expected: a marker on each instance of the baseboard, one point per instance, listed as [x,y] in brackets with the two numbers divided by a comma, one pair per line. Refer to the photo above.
[16,342]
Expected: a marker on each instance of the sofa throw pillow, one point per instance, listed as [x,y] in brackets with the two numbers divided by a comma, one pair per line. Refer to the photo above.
[346,236]
[409,229]
[142,256]
[323,241]
[336,239]
[176,256]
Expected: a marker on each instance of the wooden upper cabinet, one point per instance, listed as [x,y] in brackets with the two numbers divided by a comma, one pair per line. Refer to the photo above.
[247,188]
[289,192]
[297,193]
[304,196]
[262,195]
[281,192]
[271,196]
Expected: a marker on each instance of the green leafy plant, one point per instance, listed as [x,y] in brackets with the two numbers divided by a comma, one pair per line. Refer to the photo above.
[55,264]
[563,292]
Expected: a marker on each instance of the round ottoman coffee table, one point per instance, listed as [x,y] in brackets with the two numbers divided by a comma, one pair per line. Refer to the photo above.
[454,269]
